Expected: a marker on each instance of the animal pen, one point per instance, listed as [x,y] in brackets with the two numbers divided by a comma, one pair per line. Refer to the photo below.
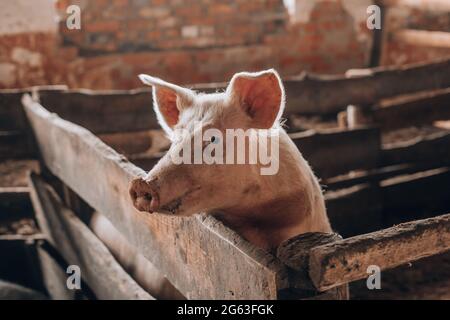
[386,188]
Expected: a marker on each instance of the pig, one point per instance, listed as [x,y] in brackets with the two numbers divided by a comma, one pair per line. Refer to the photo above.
[265,209]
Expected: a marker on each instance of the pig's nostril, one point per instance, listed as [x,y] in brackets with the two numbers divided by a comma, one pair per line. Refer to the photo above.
[144,195]
[148,196]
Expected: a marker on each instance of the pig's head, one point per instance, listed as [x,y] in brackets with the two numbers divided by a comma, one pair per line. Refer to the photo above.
[251,101]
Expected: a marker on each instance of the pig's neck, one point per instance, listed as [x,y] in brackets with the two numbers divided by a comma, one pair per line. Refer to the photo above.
[290,203]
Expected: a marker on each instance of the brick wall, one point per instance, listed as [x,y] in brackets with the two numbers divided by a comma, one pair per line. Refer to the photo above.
[418,18]
[193,41]
[137,25]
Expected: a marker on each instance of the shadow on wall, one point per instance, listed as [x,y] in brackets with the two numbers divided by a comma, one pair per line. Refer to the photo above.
[183,43]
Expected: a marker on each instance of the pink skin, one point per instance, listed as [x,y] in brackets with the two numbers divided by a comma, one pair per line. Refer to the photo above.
[264,209]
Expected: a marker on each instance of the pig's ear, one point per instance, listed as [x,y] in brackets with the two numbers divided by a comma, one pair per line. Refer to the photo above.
[260,95]
[168,100]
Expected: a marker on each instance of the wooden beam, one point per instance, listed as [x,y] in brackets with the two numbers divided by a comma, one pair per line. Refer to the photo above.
[422,38]
[411,110]
[348,149]
[347,260]
[313,94]
[420,150]
[137,143]
[79,246]
[417,195]
[103,111]
[15,145]
[328,94]
[187,250]
[351,204]
[295,254]
[435,5]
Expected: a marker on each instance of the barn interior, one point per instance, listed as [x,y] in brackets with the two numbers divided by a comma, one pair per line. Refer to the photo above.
[368,105]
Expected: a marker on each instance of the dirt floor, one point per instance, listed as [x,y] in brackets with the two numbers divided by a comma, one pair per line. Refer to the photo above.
[13,173]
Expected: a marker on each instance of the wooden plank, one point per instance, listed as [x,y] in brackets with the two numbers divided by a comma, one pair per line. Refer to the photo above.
[12,116]
[347,260]
[435,5]
[327,94]
[422,38]
[15,145]
[416,195]
[417,109]
[187,250]
[103,111]
[136,143]
[79,246]
[355,210]
[295,254]
[312,94]
[334,152]
[378,174]
[420,150]
[54,277]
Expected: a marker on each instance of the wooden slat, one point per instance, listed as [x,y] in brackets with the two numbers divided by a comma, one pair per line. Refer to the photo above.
[334,152]
[15,145]
[418,109]
[378,174]
[422,38]
[416,195]
[79,246]
[103,111]
[355,210]
[327,94]
[54,277]
[436,5]
[12,116]
[187,250]
[347,260]
[420,150]
[331,94]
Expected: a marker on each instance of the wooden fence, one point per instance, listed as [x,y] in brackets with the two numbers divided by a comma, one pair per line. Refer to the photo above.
[200,256]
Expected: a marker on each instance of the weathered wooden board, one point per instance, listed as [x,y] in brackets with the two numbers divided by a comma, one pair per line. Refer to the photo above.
[313,94]
[422,38]
[295,254]
[416,195]
[355,210]
[12,116]
[343,261]
[411,110]
[420,150]
[186,250]
[334,152]
[54,277]
[79,246]
[442,5]
[327,94]
[15,145]
[103,111]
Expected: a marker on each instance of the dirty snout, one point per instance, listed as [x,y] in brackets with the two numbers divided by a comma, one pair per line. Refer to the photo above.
[144,195]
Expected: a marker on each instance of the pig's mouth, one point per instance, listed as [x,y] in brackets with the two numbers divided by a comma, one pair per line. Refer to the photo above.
[173,207]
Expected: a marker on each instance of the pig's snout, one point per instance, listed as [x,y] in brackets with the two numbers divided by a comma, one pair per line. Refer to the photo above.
[144,195]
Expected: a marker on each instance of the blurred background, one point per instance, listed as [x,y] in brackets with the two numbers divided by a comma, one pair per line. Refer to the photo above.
[198,41]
